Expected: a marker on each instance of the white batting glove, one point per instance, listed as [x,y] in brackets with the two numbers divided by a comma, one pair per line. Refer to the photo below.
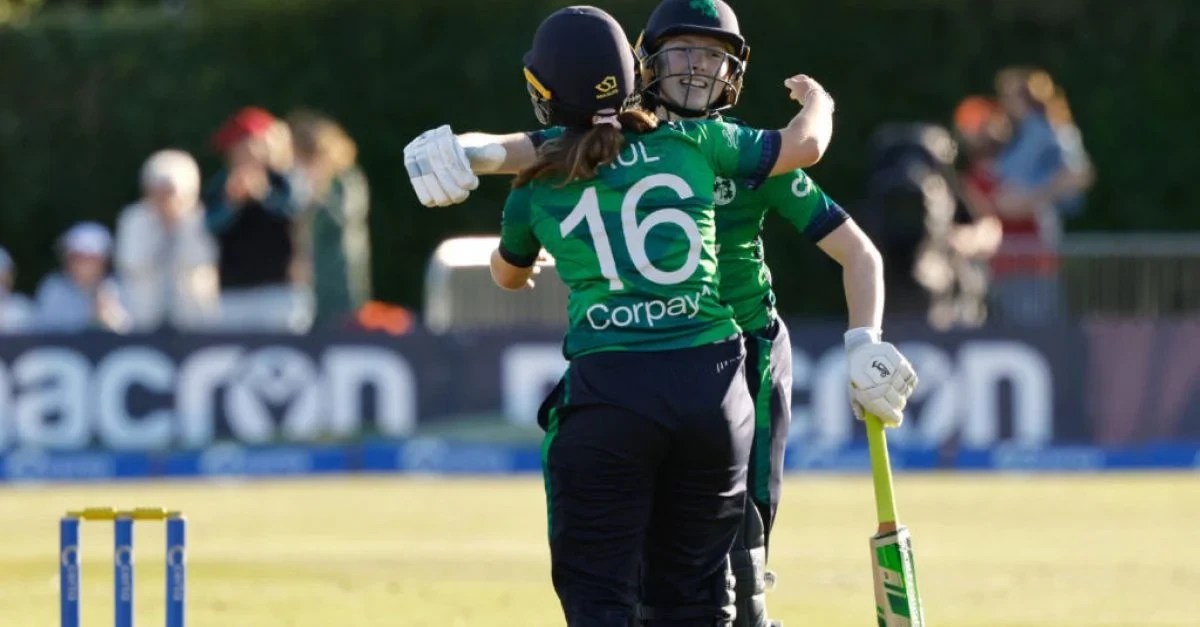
[881,379]
[438,168]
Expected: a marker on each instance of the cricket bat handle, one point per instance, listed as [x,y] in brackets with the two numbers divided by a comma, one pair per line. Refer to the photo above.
[881,473]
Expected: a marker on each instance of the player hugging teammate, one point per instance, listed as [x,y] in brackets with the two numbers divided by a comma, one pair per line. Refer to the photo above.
[665,441]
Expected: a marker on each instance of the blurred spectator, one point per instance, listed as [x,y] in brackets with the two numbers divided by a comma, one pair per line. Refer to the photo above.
[931,243]
[16,311]
[82,296]
[165,258]
[250,208]
[333,193]
[1041,175]
[983,129]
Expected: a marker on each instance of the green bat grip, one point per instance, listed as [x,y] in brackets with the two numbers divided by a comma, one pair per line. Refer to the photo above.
[881,470]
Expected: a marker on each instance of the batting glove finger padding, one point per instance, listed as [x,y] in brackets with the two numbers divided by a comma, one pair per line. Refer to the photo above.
[438,168]
[420,172]
[451,166]
[456,155]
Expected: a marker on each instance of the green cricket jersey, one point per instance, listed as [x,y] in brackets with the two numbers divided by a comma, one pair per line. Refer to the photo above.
[742,208]
[745,278]
[636,246]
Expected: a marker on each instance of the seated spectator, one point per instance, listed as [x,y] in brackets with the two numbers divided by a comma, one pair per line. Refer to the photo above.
[334,222]
[250,209]
[82,296]
[16,311]
[165,258]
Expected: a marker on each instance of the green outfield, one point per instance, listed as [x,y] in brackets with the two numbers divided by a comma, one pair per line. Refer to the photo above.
[1029,551]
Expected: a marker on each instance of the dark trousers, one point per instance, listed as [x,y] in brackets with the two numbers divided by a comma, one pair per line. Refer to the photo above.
[645,456]
[769,378]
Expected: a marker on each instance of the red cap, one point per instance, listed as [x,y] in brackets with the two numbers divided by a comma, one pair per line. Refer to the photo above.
[973,112]
[249,122]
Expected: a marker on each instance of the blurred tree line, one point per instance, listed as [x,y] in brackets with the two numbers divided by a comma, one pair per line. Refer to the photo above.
[86,94]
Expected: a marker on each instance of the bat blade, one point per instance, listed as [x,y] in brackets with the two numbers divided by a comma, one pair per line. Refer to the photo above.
[897,598]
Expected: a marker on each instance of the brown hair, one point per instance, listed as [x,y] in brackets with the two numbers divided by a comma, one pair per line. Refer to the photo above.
[576,155]
[318,136]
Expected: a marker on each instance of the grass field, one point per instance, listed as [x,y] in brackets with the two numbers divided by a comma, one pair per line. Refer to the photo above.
[1036,551]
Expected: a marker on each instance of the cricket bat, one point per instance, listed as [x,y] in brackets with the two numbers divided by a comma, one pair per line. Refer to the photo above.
[897,600]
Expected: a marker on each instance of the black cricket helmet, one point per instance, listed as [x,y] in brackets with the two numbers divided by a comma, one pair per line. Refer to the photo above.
[581,65]
[673,18]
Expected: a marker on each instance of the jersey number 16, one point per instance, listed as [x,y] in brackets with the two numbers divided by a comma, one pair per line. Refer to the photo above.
[588,209]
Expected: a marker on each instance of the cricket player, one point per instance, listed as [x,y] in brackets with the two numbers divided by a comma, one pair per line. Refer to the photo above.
[692,58]
[648,440]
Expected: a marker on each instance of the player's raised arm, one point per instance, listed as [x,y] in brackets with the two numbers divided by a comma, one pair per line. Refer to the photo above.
[499,154]
[443,167]
[804,140]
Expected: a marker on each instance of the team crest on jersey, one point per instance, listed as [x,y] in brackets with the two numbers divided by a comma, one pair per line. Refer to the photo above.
[723,191]
[802,186]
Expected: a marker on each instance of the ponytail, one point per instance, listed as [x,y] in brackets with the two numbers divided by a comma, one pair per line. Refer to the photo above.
[577,154]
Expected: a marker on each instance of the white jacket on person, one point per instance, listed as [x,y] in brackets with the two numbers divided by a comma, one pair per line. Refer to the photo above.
[167,272]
